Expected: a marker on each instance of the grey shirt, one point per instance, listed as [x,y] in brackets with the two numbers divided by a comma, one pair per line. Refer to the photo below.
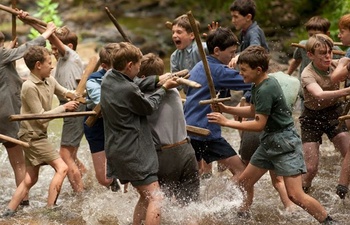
[129,148]
[10,85]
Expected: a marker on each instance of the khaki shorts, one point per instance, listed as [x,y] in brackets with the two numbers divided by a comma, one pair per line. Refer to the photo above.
[40,151]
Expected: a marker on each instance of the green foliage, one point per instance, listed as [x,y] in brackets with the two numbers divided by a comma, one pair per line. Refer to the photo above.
[47,13]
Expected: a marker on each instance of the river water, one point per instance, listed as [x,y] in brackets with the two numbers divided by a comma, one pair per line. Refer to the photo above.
[218,206]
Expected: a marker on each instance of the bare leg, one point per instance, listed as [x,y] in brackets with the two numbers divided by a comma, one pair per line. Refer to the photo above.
[235,165]
[16,158]
[305,201]
[246,181]
[57,180]
[311,156]
[99,162]
[22,190]
[148,207]
[68,154]
[278,184]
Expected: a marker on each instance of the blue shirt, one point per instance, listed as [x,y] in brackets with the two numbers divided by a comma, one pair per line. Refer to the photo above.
[223,77]
[254,35]
[93,88]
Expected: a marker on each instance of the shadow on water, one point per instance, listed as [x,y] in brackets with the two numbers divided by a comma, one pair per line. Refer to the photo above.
[220,199]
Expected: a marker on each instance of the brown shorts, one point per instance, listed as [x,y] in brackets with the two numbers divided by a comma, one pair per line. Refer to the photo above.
[40,151]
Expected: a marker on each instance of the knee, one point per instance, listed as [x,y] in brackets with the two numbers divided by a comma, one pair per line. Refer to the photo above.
[63,169]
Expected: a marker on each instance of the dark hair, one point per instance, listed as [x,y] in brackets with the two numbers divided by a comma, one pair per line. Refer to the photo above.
[222,38]
[151,64]
[35,54]
[67,37]
[318,23]
[255,56]
[244,7]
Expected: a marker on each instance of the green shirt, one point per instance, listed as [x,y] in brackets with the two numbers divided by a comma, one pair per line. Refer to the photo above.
[268,99]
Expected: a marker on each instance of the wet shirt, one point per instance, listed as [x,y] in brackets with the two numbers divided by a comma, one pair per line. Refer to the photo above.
[223,77]
[130,151]
[309,76]
[268,99]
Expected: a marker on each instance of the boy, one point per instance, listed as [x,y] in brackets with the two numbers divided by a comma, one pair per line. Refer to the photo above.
[130,152]
[36,95]
[95,134]
[315,25]
[322,107]
[178,169]
[243,14]
[280,145]
[222,44]
[10,86]
[68,72]
[186,56]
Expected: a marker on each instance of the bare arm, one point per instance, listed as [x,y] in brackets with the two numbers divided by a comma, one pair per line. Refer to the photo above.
[293,66]
[258,124]
[241,111]
[320,94]
[341,72]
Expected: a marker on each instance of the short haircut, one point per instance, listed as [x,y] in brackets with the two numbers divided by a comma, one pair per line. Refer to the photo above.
[184,22]
[35,54]
[222,38]
[317,41]
[244,7]
[106,52]
[151,64]
[255,56]
[124,53]
[344,22]
[67,37]
[318,23]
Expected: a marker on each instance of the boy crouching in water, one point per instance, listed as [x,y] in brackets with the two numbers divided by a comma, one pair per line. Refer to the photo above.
[280,145]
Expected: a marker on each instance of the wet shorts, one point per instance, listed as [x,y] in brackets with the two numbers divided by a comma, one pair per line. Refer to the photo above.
[73,129]
[314,123]
[95,136]
[148,180]
[212,150]
[280,151]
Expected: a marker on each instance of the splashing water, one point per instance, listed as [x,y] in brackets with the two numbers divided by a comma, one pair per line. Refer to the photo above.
[219,202]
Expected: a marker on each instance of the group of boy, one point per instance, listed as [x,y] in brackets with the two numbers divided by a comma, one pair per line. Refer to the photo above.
[137,145]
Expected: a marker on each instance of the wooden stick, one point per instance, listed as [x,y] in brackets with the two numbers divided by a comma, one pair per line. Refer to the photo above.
[13,140]
[181,73]
[189,83]
[193,130]
[14,28]
[204,59]
[90,68]
[49,116]
[214,101]
[28,18]
[116,24]
[91,120]
[337,52]
[242,103]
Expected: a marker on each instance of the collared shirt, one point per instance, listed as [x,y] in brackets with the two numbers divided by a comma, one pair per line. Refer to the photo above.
[93,88]
[36,96]
[186,58]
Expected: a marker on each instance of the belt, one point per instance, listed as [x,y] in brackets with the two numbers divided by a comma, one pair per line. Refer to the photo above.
[186,140]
